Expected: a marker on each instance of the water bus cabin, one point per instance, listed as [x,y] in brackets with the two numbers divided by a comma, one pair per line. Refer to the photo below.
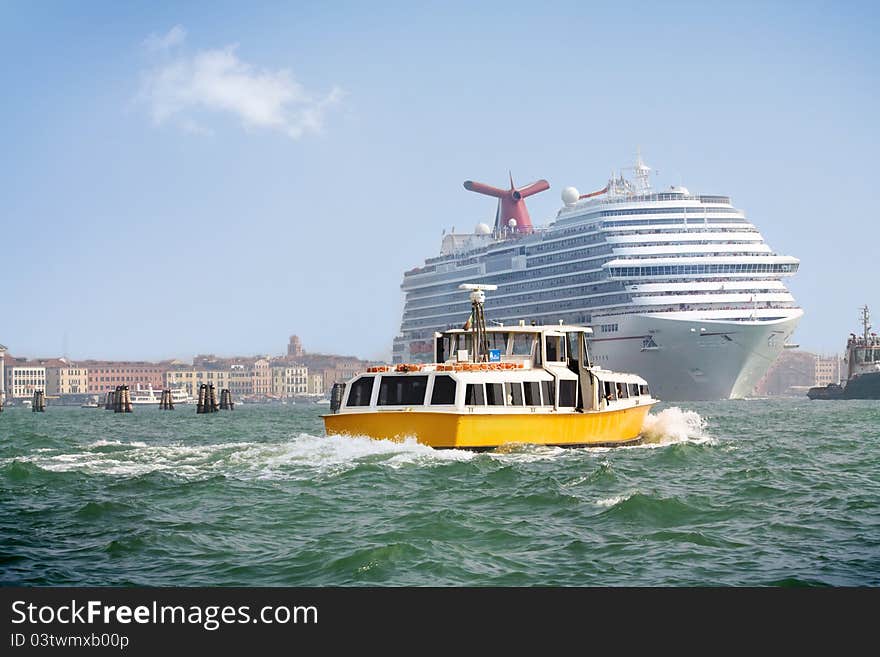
[495,386]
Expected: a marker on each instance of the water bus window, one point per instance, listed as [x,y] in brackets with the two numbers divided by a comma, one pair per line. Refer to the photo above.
[609,391]
[361,391]
[549,389]
[444,390]
[464,342]
[473,395]
[495,394]
[643,389]
[402,390]
[633,389]
[555,348]
[567,392]
[532,393]
[621,391]
[445,348]
[497,341]
[522,344]
[514,393]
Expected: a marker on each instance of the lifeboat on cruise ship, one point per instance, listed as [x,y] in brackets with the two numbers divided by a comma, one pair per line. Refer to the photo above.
[495,386]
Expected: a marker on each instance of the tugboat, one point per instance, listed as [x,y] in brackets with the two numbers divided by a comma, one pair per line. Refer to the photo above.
[489,387]
[862,367]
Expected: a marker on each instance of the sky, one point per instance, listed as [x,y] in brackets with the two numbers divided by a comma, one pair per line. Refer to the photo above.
[212,177]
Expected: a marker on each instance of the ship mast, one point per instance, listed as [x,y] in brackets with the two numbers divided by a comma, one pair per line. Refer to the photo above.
[642,174]
[478,326]
[866,326]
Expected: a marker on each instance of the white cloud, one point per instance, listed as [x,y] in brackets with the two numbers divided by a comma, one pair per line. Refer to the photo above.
[174,37]
[218,81]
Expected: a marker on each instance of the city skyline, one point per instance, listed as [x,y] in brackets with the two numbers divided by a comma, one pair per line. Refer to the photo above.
[189,181]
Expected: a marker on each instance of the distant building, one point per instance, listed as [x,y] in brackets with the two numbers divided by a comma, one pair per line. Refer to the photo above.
[790,375]
[289,380]
[262,377]
[184,376]
[294,347]
[23,377]
[105,375]
[333,368]
[316,384]
[828,370]
[66,378]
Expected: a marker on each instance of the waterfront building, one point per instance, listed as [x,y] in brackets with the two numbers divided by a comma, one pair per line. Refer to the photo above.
[791,374]
[316,384]
[828,370]
[289,380]
[241,380]
[23,377]
[66,378]
[333,368]
[104,375]
[262,377]
[184,376]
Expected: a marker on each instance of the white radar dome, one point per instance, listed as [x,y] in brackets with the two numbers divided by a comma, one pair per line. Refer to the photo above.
[511,222]
[482,229]
[570,195]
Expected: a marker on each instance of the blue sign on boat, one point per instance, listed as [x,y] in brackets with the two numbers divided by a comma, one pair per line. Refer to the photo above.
[494,355]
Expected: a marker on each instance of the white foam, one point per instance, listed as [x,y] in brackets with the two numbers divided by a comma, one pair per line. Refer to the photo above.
[301,457]
[613,501]
[673,425]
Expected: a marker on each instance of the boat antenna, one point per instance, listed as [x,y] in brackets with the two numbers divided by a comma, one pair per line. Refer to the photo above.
[866,322]
[478,326]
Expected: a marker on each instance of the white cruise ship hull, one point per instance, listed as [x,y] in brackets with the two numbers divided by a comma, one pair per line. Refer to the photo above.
[694,359]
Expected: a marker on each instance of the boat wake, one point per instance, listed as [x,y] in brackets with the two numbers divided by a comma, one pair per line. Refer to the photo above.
[303,456]
[307,456]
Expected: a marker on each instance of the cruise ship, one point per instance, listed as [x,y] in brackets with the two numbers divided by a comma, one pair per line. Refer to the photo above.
[678,287]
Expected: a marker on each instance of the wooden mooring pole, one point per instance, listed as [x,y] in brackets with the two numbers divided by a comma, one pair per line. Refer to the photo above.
[226,403]
[166,403]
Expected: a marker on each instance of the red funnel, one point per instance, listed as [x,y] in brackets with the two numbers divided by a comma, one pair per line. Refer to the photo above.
[511,203]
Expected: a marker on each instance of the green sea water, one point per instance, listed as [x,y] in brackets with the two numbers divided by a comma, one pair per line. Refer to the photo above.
[758,492]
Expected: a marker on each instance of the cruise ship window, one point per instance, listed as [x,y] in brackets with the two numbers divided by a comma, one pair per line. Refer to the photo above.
[532,393]
[473,395]
[361,391]
[567,392]
[495,394]
[549,390]
[444,390]
[621,391]
[633,390]
[402,390]
[514,393]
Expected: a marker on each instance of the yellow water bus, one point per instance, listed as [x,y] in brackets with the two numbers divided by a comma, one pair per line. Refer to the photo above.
[495,386]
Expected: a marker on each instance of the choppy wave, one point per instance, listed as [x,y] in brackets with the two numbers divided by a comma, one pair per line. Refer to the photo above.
[740,494]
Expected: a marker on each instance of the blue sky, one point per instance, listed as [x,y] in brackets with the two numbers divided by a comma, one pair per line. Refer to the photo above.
[184,178]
